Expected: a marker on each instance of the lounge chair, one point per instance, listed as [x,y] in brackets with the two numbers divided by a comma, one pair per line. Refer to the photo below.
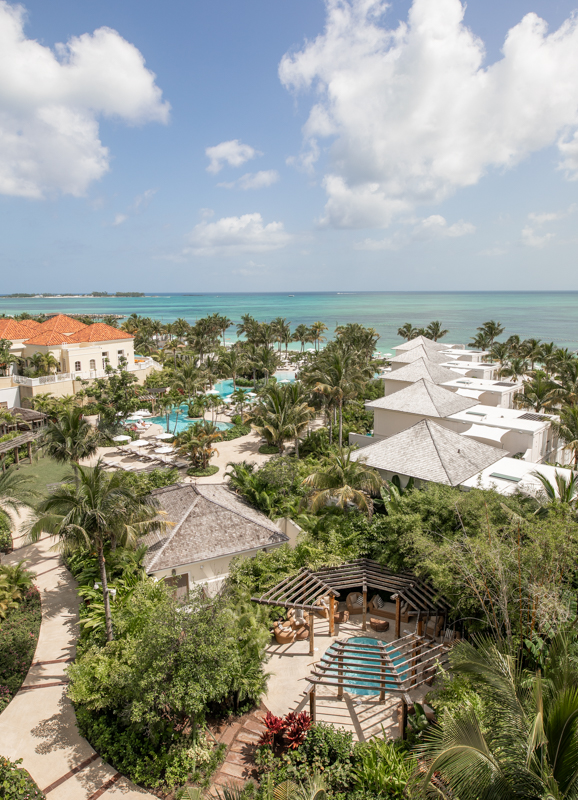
[341,616]
[322,609]
[284,633]
[354,602]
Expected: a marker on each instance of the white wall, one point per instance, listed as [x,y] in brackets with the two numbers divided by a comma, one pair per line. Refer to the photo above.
[10,395]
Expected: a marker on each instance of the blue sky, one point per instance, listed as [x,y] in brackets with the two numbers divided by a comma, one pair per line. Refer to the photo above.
[272,145]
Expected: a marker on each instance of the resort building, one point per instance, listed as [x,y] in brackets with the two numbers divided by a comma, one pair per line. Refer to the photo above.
[431,453]
[491,393]
[519,433]
[79,351]
[209,525]
[471,368]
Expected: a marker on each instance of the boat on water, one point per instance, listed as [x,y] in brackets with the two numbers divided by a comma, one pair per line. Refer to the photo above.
[290,295]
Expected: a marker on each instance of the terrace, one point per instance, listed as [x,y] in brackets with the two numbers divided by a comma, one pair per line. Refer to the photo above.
[325,659]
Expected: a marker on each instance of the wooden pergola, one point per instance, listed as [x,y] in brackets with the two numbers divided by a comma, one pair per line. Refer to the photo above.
[305,589]
[14,445]
[378,668]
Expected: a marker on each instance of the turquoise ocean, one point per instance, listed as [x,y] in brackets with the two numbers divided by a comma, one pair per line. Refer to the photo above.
[549,316]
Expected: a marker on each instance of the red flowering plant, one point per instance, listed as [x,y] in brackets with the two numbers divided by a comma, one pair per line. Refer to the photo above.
[288,732]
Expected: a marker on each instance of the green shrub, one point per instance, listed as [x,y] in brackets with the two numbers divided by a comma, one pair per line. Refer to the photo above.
[203,472]
[16,783]
[5,535]
[156,479]
[18,637]
[268,449]
[383,769]
[235,432]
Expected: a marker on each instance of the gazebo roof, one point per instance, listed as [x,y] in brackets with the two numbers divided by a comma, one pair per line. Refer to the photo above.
[304,589]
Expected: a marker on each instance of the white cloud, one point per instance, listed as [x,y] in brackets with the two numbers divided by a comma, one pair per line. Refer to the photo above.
[141,201]
[413,112]
[531,237]
[251,270]
[253,180]
[424,230]
[493,252]
[233,235]
[119,219]
[234,153]
[50,103]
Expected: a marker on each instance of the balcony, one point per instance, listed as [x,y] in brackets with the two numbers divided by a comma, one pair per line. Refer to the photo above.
[59,377]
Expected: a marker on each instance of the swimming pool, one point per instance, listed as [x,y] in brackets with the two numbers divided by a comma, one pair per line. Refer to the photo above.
[351,664]
[182,421]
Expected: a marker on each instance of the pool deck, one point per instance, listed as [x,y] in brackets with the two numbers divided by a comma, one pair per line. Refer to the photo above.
[290,666]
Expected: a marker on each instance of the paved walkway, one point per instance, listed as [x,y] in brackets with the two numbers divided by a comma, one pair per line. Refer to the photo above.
[39,724]
[241,739]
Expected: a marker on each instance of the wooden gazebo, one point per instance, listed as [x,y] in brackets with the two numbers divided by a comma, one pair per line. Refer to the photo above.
[306,589]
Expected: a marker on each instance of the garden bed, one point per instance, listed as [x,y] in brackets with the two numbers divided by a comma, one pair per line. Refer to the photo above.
[18,638]
[203,472]
[16,783]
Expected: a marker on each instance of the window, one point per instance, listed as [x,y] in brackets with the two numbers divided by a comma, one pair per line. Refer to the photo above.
[92,363]
[120,353]
[104,360]
[77,366]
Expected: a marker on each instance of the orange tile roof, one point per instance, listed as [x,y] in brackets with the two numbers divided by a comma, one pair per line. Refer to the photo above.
[48,338]
[63,324]
[31,324]
[13,330]
[99,332]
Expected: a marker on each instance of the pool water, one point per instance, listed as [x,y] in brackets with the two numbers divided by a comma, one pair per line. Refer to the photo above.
[349,665]
[182,422]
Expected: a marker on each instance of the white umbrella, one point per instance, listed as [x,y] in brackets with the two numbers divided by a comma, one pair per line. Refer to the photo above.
[164,450]
[138,443]
[212,391]
[251,394]
[121,439]
[285,380]
[165,436]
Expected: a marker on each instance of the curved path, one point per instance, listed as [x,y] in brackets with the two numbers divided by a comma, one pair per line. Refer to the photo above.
[39,724]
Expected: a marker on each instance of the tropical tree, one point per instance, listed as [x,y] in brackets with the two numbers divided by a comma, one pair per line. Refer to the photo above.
[197,443]
[232,363]
[531,349]
[567,429]
[187,379]
[224,324]
[15,494]
[492,330]
[563,493]
[536,393]
[565,387]
[281,414]
[317,329]
[407,331]
[301,334]
[267,362]
[6,357]
[239,398]
[342,482]
[70,438]
[523,743]
[435,331]
[101,510]
[515,368]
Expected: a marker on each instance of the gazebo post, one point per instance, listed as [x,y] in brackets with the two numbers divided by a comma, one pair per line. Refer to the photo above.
[364,626]
[397,616]
[312,710]
[16,457]
[331,615]
[3,463]
[382,664]
[340,676]
[30,451]
[403,715]
[311,633]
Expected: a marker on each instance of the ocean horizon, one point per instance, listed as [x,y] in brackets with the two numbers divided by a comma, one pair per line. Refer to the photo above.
[549,316]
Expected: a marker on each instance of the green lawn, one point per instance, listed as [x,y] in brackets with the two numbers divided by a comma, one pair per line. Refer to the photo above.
[44,471]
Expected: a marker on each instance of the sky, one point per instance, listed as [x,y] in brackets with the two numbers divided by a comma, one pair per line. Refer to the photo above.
[288,145]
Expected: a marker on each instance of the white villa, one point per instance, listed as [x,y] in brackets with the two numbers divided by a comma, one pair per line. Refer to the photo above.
[82,351]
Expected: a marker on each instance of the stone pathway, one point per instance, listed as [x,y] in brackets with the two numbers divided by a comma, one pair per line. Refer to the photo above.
[241,739]
[39,725]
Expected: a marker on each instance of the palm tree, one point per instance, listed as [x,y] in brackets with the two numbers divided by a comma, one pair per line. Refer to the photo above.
[239,398]
[248,327]
[196,443]
[282,414]
[70,438]
[407,331]
[188,380]
[317,329]
[521,744]
[103,509]
[480,342]
[6,357]
[268,361]
[492,330]
[231,364]
[165,403]
[341,372]
[563,492]
[15,493]
[567,430]
[536,393]
[301,334]
[532,350]
[565,390]
[224,324]
[435,331]
[342,482]
[500,351]
[515,368]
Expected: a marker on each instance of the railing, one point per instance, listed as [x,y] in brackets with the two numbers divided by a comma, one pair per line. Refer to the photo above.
[58,377]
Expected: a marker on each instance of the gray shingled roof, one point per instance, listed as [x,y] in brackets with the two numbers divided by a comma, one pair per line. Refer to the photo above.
[428,452]
[209,521]
[424,397]
[422,368]
[424,342]
[409,356]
